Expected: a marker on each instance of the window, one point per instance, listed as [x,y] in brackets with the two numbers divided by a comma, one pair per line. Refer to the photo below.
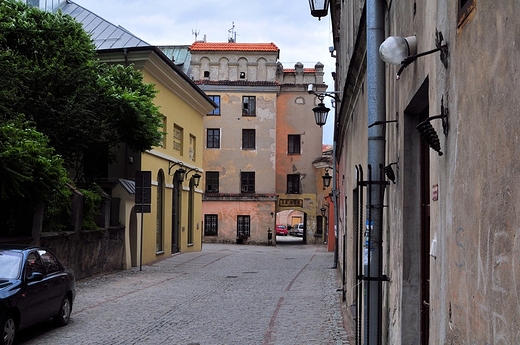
[242,75]
[177,138]
[293,184]
[248,139]
[244,226]
[33,265]
[465,8]
[319,225]
[206,74]
[293,143]
[164,132]
[193,148]
[50,263]
[210,225]
[213,140]
[247,180]
[248,106]
[212,181]
[216,100]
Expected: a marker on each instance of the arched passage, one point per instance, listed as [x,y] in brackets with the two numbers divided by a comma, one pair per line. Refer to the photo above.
[295,221]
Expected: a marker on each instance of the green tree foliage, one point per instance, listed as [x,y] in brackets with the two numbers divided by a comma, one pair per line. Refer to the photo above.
[130,112]
[31,174]
[51,75]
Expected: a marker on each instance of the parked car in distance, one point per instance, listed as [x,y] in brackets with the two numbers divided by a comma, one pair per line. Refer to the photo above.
[297,230]
[34,286]
[281,230]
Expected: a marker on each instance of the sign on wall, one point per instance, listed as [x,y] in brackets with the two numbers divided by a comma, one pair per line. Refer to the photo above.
[143,191]
[290,202]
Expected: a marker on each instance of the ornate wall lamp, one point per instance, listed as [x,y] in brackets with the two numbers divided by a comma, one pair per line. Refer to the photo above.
[195,177]
[326,179]
[403,51]
[323,211]
[319,8]
[321,111]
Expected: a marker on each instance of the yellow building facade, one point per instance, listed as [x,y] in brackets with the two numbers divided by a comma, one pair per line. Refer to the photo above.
[174,221]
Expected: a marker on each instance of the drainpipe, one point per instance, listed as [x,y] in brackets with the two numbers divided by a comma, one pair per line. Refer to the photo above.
[375,11]
[335,205]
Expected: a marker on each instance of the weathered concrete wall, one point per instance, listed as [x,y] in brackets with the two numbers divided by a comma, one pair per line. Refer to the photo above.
[90,252]
[283,107]
[471,189]
[261,214]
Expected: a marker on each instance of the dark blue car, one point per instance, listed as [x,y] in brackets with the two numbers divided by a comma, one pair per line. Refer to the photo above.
[34,286]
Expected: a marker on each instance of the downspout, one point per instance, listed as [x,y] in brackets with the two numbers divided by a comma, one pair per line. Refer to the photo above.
[335,204]
[376,156]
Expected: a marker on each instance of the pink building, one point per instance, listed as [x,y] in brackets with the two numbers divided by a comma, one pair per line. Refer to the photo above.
[259,144]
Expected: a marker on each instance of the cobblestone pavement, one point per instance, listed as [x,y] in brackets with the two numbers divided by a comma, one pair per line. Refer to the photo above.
[226,294]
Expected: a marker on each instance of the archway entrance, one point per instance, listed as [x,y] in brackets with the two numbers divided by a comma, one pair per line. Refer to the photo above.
[294,222]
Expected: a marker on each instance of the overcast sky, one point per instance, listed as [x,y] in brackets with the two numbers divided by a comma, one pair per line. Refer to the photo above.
[287,23]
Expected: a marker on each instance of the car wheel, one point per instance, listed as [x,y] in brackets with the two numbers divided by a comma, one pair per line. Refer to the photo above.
[8,330]
[63,317]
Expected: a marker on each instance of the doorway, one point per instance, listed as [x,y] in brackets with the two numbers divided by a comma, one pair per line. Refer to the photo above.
[415,284]
[425,236]
[176,214]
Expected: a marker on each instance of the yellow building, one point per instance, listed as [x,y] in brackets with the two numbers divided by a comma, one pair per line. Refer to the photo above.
[174,221]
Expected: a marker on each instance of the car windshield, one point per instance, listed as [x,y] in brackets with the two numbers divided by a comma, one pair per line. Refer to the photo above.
[10,265]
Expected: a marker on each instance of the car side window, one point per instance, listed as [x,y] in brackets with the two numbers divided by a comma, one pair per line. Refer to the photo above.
[50,263]
[33,264]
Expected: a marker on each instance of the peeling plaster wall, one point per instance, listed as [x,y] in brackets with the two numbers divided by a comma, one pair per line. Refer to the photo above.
[473,187]
[282,108]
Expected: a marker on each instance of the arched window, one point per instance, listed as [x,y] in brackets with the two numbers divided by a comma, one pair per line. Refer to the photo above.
[159,231]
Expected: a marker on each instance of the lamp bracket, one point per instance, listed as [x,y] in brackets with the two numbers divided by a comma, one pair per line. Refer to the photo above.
[444,116]
[190,170]
[172,164]
[428,133]
[443,48]
[333,94]
[377,123]
[389,172]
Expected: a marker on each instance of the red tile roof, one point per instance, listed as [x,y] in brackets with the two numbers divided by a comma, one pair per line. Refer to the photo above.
[233,46]
[237,82]
[305,70]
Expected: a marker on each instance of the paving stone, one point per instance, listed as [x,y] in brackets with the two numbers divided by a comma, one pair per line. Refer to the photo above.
[225,295]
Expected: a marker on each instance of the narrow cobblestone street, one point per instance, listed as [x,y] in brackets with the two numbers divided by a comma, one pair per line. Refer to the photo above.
[226,294]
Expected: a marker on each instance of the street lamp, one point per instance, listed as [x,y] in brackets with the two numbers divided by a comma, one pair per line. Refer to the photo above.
[320,113]
[403,51]
[196,179]
[180,174]
[323,210]
[319,8]
[326,179]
